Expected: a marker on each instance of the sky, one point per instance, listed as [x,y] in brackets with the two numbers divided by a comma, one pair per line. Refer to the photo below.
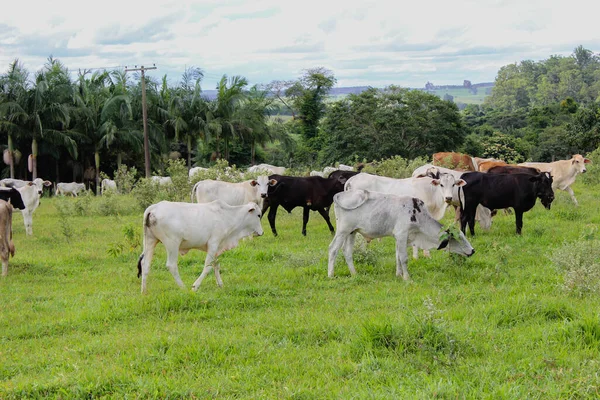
[364,43]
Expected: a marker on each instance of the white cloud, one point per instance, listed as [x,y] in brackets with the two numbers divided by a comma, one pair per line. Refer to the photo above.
[368,42]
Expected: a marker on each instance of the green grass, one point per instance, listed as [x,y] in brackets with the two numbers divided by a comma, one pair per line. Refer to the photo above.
[500,324]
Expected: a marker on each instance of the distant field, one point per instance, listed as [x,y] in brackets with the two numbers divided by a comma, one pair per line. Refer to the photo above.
[465,95]
[498,325]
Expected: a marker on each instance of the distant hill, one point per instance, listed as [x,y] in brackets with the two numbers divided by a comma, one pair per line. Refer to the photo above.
[466,93]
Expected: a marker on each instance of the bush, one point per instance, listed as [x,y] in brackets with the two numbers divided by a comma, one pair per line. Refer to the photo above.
[146,192]
[125,178]
[592,176]
[180,189]
[395,167]
[579,262]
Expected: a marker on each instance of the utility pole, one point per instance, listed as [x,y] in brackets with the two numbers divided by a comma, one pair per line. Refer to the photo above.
[144,115]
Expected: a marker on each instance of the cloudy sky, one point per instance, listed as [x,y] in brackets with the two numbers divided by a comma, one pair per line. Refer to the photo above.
[374,43]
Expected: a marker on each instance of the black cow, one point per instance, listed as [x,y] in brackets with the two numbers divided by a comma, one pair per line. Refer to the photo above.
[510,169]
[311,193]
[12,196]
[495,191]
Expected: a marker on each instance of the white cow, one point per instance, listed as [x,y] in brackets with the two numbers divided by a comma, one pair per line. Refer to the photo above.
[343,167]
[483,214]
[162,180]
[30,194]
[194,170]
[376,215]
[7,248]
[563,172]
[318,173]
[328,170]
[436,193]
[211,227]
[234,194]
[72,188]
[267,168]
[108,184]
[17,183]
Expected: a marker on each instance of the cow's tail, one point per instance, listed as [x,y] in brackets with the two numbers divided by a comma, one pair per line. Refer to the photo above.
[194,191]
[149,221]
[461,198]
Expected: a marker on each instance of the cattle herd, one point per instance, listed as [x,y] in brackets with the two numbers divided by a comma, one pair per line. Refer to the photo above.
[222,213]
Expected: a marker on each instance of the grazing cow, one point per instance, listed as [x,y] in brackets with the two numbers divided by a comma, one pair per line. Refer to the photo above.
[563,172]
[310,193]
[72,188]
[267,169]
[7,248]
[162,180]
[234,194]
[483,214]
[211,227]
[30,194]
[513,169]
[194,170]
[457,161]
[496,191]
[436,193]
[12,196]
[376,215]
[108,184]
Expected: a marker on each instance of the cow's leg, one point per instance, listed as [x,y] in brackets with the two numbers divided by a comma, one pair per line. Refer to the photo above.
[265,206]
[5,264]
[334,248]
[208,265]
[570,191]
[415,252]
[305,215]
[401,257]
[348,250]
[464,218]
[519,220]
[325,216]
[272,215]
[472,221]
[217,267]
[149,246]
[172,257]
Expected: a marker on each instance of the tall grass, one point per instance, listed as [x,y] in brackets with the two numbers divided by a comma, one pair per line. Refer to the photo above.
[504,323]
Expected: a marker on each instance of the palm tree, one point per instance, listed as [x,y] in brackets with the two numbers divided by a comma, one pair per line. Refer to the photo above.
[229,97]
[253,116]
[13,88]
[46,110]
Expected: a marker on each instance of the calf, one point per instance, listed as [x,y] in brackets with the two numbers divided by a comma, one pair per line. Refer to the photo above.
[72,188]
[7,248]
[563,172]
[234,194]
[211,227]
[310,193]
[496,191]
[376,215]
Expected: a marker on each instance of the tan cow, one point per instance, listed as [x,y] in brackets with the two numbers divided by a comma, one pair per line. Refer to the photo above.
[7,248]
[563,172]
[485,166]
[456,161]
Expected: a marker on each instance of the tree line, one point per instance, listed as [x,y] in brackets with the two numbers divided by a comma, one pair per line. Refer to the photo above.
[65,125]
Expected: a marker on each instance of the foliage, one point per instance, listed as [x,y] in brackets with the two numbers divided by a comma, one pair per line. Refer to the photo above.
[179,190]
[592,176]
[504,147]
[125,178]
[131,242]
[147,192]
[395,167]
[578,261]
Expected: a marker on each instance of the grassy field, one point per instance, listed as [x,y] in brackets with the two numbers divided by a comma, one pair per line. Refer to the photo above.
[500,324]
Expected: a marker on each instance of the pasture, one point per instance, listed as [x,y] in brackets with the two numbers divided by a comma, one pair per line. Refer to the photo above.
[508,322]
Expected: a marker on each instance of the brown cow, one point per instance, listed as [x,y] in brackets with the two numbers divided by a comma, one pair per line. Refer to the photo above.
[7,248]
[485,166]
[456,161]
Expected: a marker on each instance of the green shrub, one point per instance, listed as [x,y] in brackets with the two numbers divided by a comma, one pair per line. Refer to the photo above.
[180,189]
[592,176]
[395,167]
[125,178]
[579,262]
[146,192]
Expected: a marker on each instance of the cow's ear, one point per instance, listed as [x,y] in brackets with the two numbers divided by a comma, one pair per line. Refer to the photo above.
[460,182]
[535,178]
[443,244]
[30,183]
[253,183]
[435,182]
[47,183]
[273,182]
[587,161]
[251,209]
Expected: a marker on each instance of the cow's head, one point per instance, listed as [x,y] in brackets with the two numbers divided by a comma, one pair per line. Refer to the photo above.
[254,211]
[578,162]
[457,242]
[543,188]
[446,183]
[262,184]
